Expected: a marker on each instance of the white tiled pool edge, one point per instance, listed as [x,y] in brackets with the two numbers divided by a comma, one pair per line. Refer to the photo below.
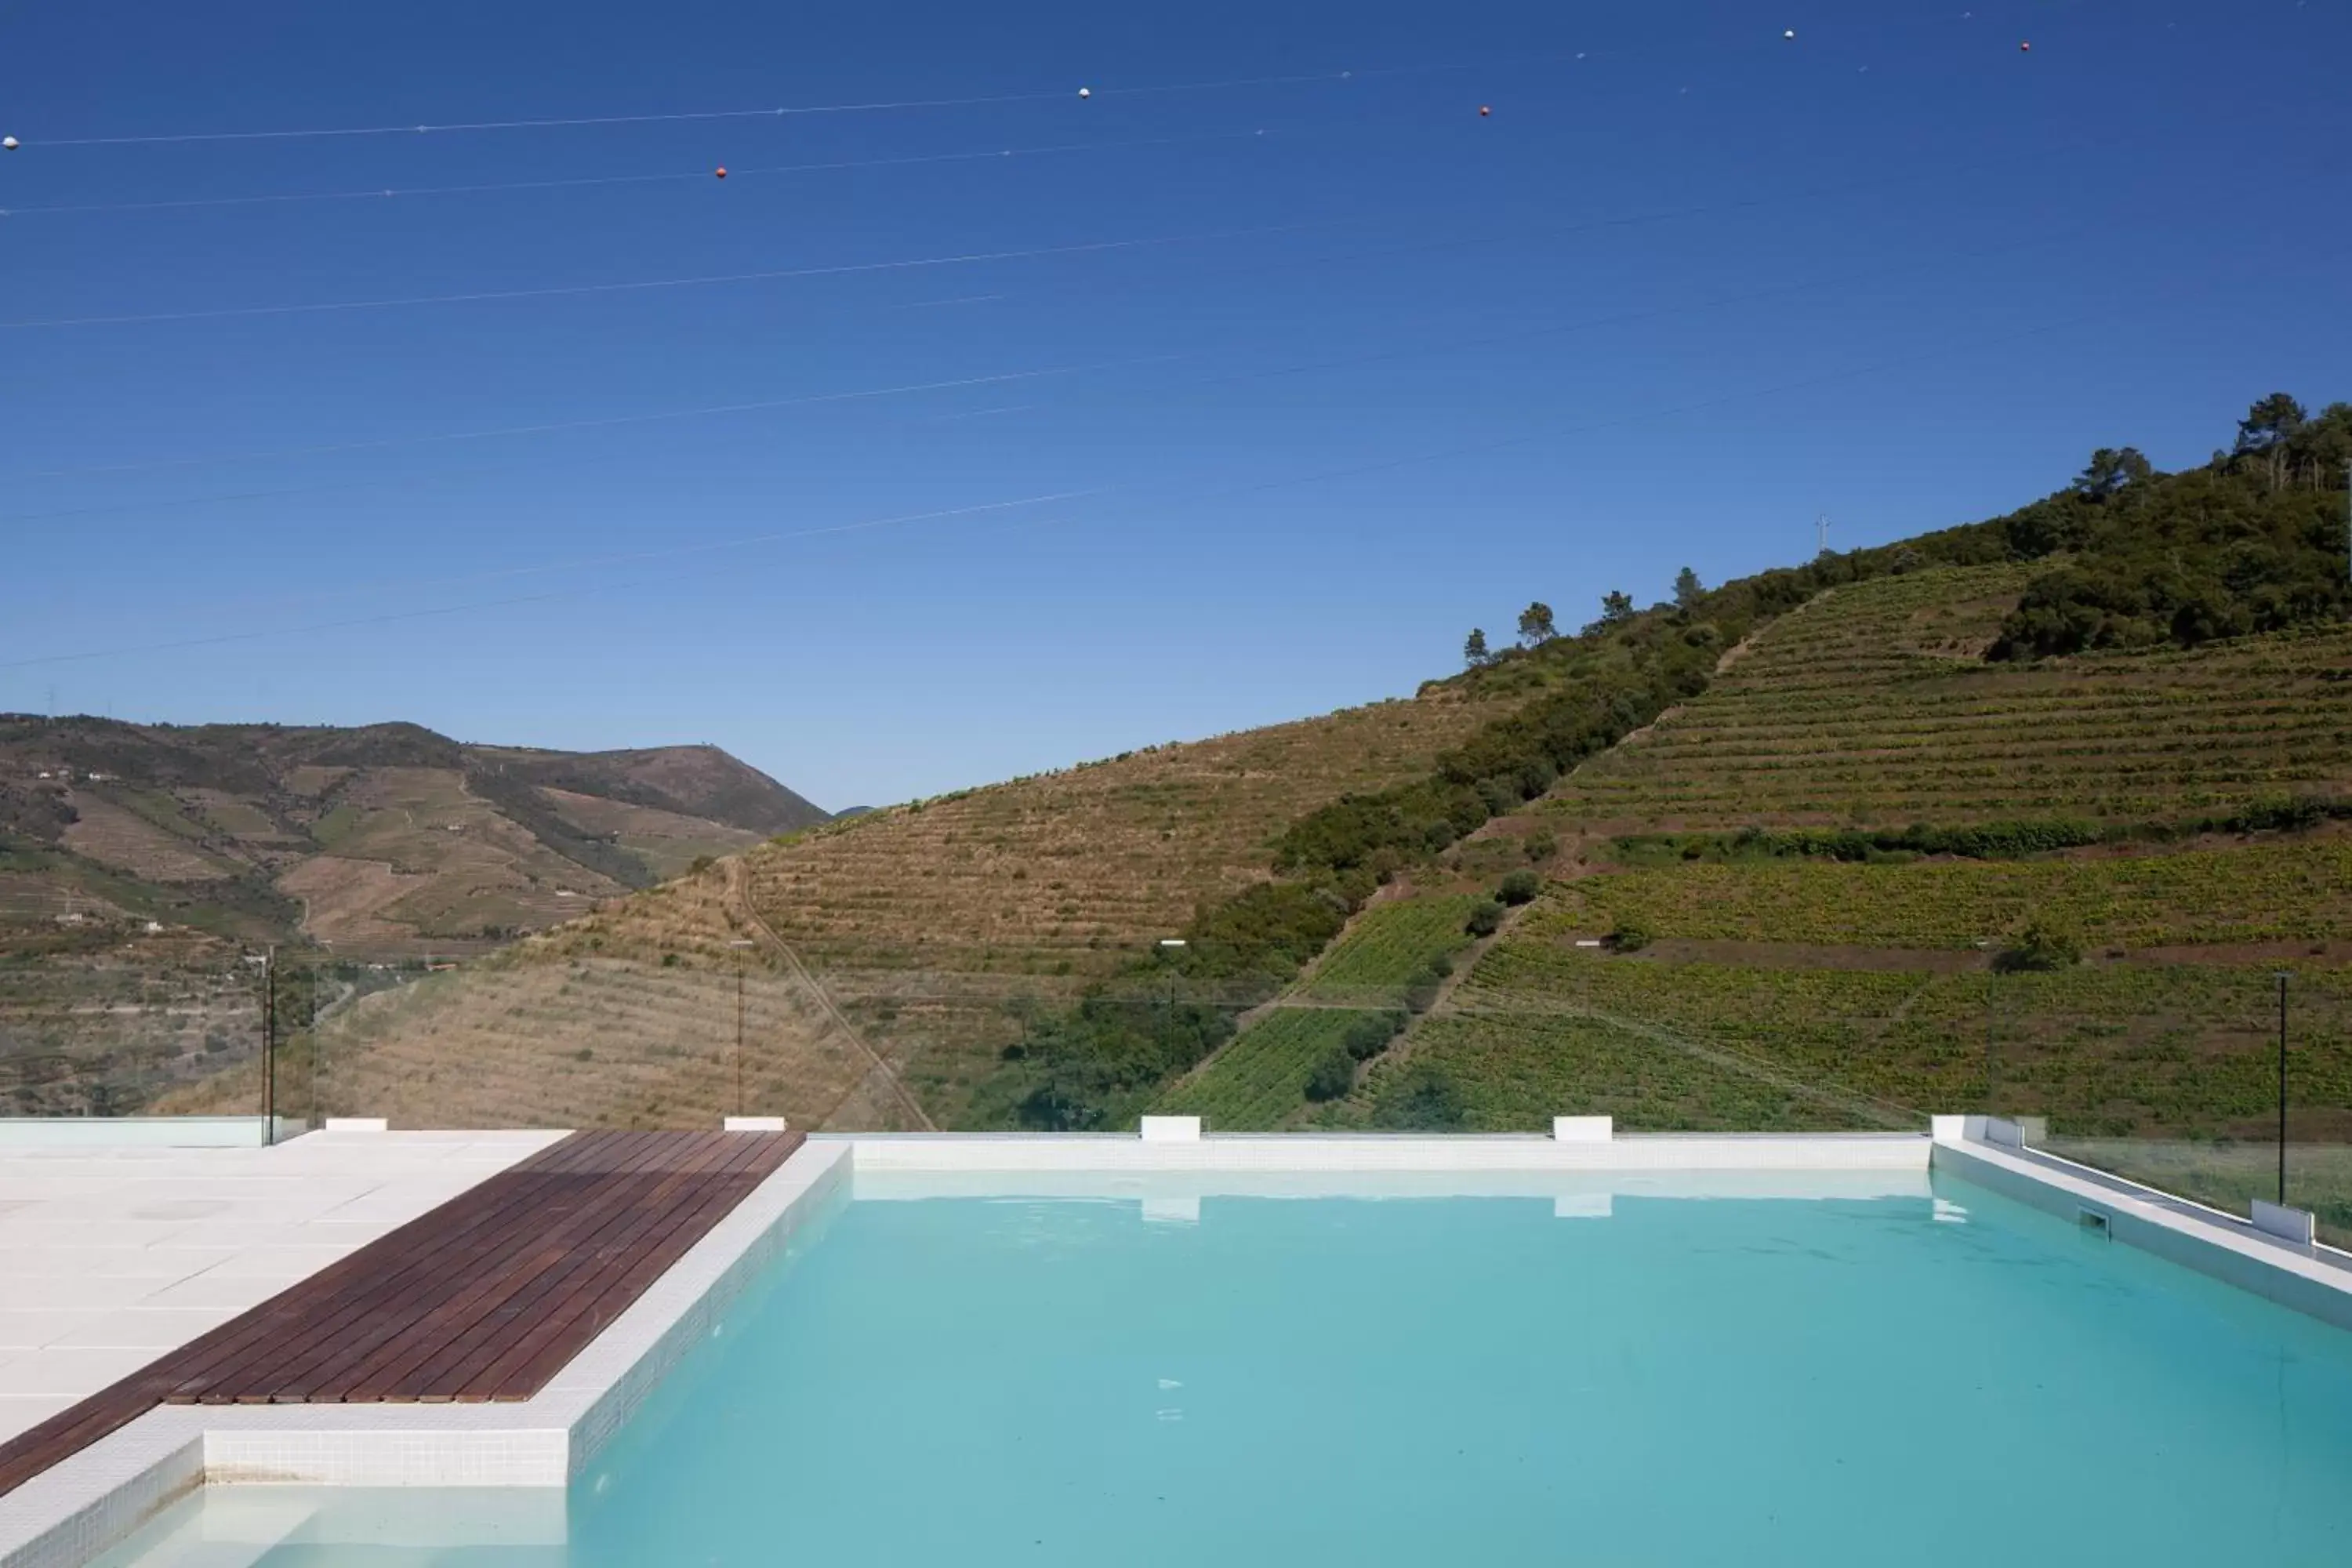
[2219,1247]
[92,1500]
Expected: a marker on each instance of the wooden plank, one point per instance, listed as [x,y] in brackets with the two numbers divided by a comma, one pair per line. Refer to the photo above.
[266,1329]
[418,1372]
[524,1312]
[486,1297]
[569,1318]
[360,1320]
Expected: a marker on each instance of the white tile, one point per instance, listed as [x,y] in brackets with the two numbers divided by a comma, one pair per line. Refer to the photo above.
[153,1329]
[73,1372]
[23,1329]
[298,1261]
[81,1292]
[19,1412]
[157,1266]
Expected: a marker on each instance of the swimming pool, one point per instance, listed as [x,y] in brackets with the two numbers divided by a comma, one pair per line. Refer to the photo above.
[1584,1377]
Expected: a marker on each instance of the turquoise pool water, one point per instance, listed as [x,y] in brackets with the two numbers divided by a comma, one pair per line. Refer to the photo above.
[1430,1381]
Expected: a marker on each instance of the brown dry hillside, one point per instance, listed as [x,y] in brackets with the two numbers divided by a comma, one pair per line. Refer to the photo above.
[385,839]
[881,950]
[347,847]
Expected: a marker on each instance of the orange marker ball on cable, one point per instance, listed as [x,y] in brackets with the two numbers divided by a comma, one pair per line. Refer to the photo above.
[721,170]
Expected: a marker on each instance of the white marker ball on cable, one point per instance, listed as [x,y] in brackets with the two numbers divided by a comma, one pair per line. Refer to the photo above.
[1792,33]
[9,143]
[1086,92]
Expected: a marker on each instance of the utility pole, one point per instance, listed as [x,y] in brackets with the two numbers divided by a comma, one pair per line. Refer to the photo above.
[1822,534]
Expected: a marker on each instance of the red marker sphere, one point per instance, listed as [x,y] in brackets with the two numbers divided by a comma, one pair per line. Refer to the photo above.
[2025,49]
[1484,111]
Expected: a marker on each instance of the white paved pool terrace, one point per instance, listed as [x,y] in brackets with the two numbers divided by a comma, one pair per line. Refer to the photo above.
[110,1256]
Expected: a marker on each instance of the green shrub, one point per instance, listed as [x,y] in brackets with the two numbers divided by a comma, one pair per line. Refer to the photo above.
[2040,948]
[1334,1075]
[1425,1100]
[1485,919]
[1541,845]
[1628,938]
[1368,1036]
[1519,887]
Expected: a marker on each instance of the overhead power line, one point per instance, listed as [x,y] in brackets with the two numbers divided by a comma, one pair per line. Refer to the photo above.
[1073,93]
[769,275]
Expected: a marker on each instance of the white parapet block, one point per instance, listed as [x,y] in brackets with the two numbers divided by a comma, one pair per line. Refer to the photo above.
[754,1124]
[2297,1226]
[1948,1129]
[1584,1129]
[356,1124]
[1171,1129]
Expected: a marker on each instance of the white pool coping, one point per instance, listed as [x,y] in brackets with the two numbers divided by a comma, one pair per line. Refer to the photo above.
[92,1500]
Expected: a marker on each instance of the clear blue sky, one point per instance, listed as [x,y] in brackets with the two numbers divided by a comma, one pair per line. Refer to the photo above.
[1397,369]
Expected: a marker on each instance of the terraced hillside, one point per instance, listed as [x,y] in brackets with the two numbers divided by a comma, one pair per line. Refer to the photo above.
[1873,705]
[2126,989]
[888,958]
[1062,873]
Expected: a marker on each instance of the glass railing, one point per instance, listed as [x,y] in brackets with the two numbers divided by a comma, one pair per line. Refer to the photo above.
[2160,1071]
[2224,1084]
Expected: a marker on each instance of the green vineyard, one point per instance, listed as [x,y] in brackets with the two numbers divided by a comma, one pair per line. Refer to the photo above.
[1872,705]
[2183,1050]
[1260,1080]
[2290,890]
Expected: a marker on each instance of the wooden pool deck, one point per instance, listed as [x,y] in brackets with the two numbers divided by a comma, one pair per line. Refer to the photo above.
[485,1298]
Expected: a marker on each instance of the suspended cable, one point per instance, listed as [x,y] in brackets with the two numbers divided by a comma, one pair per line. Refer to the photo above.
[1089,93]
[780,274]
[698,176]
[1544,231]
[629,558]
[604,422]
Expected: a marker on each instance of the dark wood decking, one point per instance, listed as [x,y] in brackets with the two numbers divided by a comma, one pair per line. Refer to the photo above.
[486,1297]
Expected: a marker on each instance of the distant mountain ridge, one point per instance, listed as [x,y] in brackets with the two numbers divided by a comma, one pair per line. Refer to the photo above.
[386,836]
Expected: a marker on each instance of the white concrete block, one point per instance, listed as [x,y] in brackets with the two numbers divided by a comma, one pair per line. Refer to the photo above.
[1171,1129]
[754,1124]
[1947,1128]
[2297,1226]
[2008,1134]
[1582,1129]
[357,1124]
